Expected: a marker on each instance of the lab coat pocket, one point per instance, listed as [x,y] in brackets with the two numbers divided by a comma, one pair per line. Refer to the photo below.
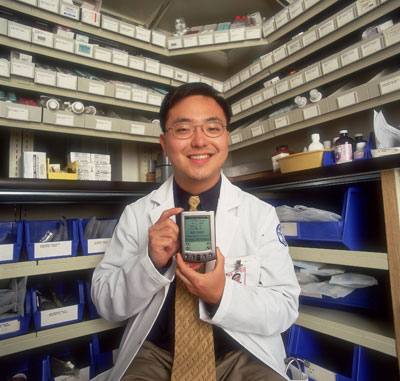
[245,270]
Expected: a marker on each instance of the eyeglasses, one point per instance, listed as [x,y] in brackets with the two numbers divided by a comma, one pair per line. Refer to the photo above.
[185,130]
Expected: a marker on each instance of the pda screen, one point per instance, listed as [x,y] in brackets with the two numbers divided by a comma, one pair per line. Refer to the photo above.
[197,233]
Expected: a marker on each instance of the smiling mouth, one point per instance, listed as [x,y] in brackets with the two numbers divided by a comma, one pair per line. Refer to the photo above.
[199,157]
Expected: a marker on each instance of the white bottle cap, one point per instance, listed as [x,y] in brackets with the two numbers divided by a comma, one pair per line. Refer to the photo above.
[343,132]
[327,144]
[78,107]
[300,101]
[361,145]
[53,104]
[315,137]
[315,95]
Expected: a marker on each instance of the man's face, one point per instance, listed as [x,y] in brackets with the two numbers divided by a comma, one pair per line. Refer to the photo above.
[197,161]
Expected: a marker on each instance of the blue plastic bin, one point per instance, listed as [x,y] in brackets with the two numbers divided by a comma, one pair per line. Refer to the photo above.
[18,363]
[11,249]
[71,313]
[103,349]
[93,314]
[348,233]
[35,230]
[18,325]
[369,298]
[92,246]
[78,354]
[347,361]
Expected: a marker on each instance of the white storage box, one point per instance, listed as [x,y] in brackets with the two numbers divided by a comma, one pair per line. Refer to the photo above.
[236,108]
[3,26]
[45,77]
[364,6]
[102,54]
[139,94]
[123,91]
[327,27]
[246,103]
[296,80]
[309,3]
[330,64]
[282,18]
[89,16]
[193,78]
[392,35]
[167,71]
[102,123]
[279,53]
[64,44]
[206,38]
[22,68]
[49,5]
[310,36]
[385,85]
[41,37]
[175,42]
[159,39]
[313,110]
[67,81]
[255,68]
[235,80]
[206,80]
[136,128]
[236,34]
[34,164]
[69,10]
[4,67]
[347,15]
[190,40]
[154,98]
[181,75]
[257,98]
[63,118]
[83,49]
[267,60]
[143,34]
[269,92]
[282,86]
[350,55]
[127,29]
[136,63]
[268,26]
[312,72]
[19,31]
[119,57]
[152,66]
[294,45]
[372,46]
[109,23]
[221,36]
[296,9]
[96,87]
[21,112]
[342,99]
[244,74]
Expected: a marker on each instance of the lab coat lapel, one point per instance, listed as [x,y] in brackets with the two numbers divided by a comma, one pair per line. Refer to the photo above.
[226,219]
[163,198]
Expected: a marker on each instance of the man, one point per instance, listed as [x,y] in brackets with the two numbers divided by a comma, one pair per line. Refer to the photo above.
[137,276]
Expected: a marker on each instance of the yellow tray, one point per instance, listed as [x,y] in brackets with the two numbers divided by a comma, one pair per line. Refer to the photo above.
[302,160]
[63,175]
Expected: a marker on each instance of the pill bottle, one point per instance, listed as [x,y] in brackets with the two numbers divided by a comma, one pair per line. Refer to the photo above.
[315,143]
[344,148]
[361,150]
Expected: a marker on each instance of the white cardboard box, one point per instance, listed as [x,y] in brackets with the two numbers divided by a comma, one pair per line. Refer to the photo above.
[110,23]
[372,46]
[3,26]
[294,45]
[69,10]
[136,128]
[119,57]
[19,31]
[327,27]
[350,55]
[253,32]
[190,40]
[64,44]
[136,63]
[181,75]
[310,36]
[63,118]
[34,165]
[22,112]
[67,81]
[159,39]
[282,18]
[101,123]
[91,17]
[22,68]
[279,53]
[385,85]
[45,77]
[167,71]
[127,29]
[392,35]
[93,86]
[123,91]
[347,15]
[83,49]
[282,86]
[175,42]
[221,36]
[102,54]
[42,37]
[296,9]
[143,34]
[330,64]
[139,94]
[152,66]
[4,68]
[236,34]
[206,38]
[49,5]
[268,26]
[257,98]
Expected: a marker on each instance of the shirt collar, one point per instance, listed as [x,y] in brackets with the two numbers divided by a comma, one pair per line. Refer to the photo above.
[208,199]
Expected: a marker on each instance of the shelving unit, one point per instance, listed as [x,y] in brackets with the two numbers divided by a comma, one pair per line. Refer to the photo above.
[21,198]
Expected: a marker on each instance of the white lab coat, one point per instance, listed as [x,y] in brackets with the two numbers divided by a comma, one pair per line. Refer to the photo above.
[126,285]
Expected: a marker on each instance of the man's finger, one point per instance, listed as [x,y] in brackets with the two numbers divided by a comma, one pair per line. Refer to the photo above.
[220,262]
[169,212]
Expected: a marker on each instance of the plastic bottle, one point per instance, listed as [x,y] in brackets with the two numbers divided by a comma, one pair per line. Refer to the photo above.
[315,143]
[344,148]
[281,151]
[359,138]
[361,149]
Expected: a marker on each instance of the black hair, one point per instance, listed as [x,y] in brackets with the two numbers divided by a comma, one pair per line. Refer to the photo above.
[186,90]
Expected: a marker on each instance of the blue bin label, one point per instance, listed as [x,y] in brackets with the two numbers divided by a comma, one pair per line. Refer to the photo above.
[280,235]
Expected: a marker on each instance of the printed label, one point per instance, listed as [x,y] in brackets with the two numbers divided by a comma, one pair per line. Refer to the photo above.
[159,39]
[152,66]
[22,69]
[20,113]
[296,81]
[295,9]
[330,66]
[120,59]
[122,93]
[143,34]
[69,11]
[392,35]
[237,34]
[235,80]
[350,56]
[256,99]
[45,78]
[312,73]
[266,61]
[236,138]
[110,24]
[317,373]
[65,120]
[53,249]
[139,95]
[245,74]
[281,122]
[246,104]
[311,112]
[59,315]
[345,17]
[389,85]
[256,68]
[102,55]
[279,54]
[96,88]
[268,27]
[205,39]
[294,46]
[127,30]
[289,229]
[98,245]
[64,45]
[137,129]
[310,3]
[180,76]
[326,28]
[253,33]
[19,31]
[6,252]
[154,99]
[67,81]
[282,86]
[364,6]
[347,100]
[105,125]
[257,130]
[343,153]
[282,18]
[236,109]
[167,72]
[371,47]
[309,38]
[49,5]
[10,326]
[269,92]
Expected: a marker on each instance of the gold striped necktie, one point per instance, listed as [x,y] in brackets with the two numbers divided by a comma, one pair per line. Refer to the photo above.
[194,358]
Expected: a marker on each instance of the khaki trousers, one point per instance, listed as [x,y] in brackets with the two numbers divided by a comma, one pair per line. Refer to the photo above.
[154,364]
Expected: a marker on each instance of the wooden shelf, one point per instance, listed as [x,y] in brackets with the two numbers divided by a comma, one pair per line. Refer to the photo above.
[55,335]
[354,25]
[364,259]
[327,117]
[77,131]
[355,328]
[49,266]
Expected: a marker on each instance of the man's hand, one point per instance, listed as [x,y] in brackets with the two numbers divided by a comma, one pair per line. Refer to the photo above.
[164,237]
[210,286]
